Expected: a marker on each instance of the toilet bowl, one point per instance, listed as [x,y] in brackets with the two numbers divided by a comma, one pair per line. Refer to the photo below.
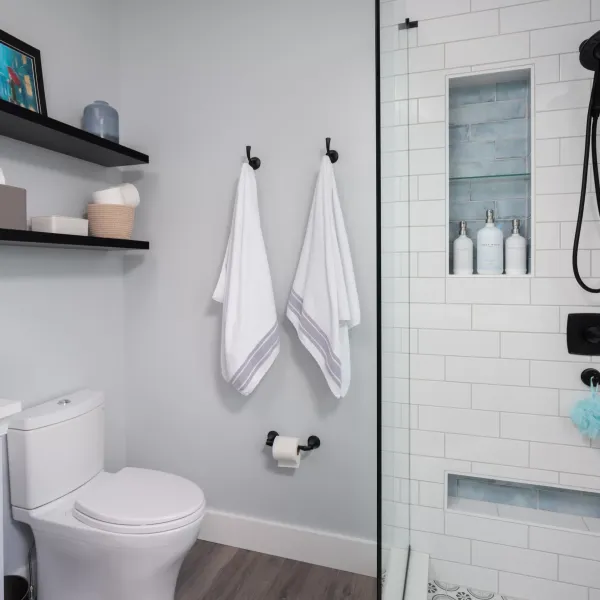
[99,535]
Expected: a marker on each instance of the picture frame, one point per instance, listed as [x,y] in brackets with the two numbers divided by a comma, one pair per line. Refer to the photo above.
[21,78]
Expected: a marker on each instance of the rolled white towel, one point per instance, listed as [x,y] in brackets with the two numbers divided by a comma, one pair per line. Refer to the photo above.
[110,196]
[130,194]
[126,194]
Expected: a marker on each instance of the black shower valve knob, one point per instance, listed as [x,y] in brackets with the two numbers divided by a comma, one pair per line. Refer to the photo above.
[583,334]
[592,335]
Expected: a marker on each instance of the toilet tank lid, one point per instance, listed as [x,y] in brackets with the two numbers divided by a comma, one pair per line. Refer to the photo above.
[63,408]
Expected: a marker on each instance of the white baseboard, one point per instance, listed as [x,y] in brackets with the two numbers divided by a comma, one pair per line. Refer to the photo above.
[313,546]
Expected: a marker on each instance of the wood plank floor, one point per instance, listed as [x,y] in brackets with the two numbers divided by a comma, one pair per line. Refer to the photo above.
[214,572]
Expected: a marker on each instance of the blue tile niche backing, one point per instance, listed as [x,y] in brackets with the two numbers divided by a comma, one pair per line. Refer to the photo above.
[489,135]
[539,497]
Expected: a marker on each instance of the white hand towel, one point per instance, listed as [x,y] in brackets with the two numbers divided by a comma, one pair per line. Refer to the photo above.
[250,332]
[323,304]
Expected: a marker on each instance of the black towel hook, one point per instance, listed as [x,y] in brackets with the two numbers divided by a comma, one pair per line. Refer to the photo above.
[253,162]
[590,377]
[333,154]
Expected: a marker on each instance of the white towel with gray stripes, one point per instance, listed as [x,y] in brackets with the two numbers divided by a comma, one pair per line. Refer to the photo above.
[323,304]
[250,332]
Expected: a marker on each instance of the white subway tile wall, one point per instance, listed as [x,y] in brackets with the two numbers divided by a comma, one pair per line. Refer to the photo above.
[486,530]
[515,560]
[489,379]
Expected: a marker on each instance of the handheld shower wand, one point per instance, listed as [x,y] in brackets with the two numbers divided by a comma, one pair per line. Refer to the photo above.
[589,57]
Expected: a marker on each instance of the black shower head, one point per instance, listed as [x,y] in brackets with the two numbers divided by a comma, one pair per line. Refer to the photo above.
[589,53]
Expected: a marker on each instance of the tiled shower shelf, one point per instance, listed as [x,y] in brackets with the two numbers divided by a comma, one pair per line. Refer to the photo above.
[486,177]
[489,156]
[530,516]
[534,504]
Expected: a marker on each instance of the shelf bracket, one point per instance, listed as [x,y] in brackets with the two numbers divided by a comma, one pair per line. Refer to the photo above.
[408,24]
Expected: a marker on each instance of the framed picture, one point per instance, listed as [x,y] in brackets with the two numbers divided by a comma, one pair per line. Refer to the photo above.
[21,80]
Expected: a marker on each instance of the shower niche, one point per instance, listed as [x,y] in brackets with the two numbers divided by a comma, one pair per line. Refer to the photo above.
[489,155]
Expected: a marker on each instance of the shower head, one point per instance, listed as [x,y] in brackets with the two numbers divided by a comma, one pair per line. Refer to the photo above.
[589,53]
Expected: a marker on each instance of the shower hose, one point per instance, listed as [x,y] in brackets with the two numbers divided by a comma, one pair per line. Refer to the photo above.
[591,130]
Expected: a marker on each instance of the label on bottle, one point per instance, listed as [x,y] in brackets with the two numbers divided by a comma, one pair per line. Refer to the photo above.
[489,257]
[516,256]
[463,256]
[463,260]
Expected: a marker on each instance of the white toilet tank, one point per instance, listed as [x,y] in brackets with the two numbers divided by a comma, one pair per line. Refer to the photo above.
[55,447]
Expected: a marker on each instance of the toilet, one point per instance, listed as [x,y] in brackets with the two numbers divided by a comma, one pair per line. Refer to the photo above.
[99,535]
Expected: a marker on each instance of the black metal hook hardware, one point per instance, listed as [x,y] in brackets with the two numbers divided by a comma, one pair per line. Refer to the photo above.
[408,24]
[312,444]
[591,377]
[253,162]
[333,154]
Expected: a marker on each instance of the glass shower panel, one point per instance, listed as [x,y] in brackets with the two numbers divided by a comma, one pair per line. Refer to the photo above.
[431,328]
[395,117]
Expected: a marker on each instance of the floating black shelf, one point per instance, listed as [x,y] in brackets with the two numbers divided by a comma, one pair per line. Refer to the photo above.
[17,237]
[32,128]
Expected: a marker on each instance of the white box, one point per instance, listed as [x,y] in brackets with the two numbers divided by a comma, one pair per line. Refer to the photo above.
[58,224]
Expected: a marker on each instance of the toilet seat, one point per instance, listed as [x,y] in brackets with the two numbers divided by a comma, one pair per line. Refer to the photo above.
[137,529]
[139,501]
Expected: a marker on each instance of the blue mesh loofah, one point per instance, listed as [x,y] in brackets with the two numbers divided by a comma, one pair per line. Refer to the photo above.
[586,415]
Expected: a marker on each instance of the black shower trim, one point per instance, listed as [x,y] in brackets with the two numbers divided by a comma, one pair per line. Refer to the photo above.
[408,24]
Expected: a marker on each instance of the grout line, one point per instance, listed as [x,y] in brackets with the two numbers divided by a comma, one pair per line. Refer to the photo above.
[557,110]
[500,34]
[494,437]
[500,24]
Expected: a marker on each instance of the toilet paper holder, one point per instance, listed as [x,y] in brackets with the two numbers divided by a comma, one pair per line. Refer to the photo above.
[312,444]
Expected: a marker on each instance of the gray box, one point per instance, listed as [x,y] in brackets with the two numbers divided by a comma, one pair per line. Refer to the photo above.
[13,207]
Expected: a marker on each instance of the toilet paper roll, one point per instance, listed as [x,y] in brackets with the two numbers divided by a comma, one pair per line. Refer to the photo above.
[130,194]
[109,196]
[285,452]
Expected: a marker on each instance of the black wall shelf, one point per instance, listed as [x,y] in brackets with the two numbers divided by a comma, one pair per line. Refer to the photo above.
[32,128]
[17,237]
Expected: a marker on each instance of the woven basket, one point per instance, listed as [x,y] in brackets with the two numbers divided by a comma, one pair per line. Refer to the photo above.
[111,220]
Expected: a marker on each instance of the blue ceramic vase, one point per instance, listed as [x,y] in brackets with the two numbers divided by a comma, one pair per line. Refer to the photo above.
[101,119]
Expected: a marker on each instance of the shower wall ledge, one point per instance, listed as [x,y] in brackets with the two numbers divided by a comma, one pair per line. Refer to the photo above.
[528,516]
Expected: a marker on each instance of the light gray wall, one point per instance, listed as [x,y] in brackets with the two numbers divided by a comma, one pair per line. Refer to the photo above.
[61,311]
[200,80]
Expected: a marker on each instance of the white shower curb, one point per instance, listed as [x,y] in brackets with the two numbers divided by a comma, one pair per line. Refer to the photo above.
[417,577]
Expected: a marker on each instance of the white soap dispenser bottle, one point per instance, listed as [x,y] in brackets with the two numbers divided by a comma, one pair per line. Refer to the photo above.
[463,252]
[490,248]
[516,252]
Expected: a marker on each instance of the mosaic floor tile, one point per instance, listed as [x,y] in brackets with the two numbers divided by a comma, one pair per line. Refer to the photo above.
[439,590]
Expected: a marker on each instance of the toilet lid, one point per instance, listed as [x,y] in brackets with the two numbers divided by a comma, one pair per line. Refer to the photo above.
[139,497]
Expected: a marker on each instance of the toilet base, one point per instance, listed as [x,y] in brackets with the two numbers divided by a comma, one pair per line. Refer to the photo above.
[106,566]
